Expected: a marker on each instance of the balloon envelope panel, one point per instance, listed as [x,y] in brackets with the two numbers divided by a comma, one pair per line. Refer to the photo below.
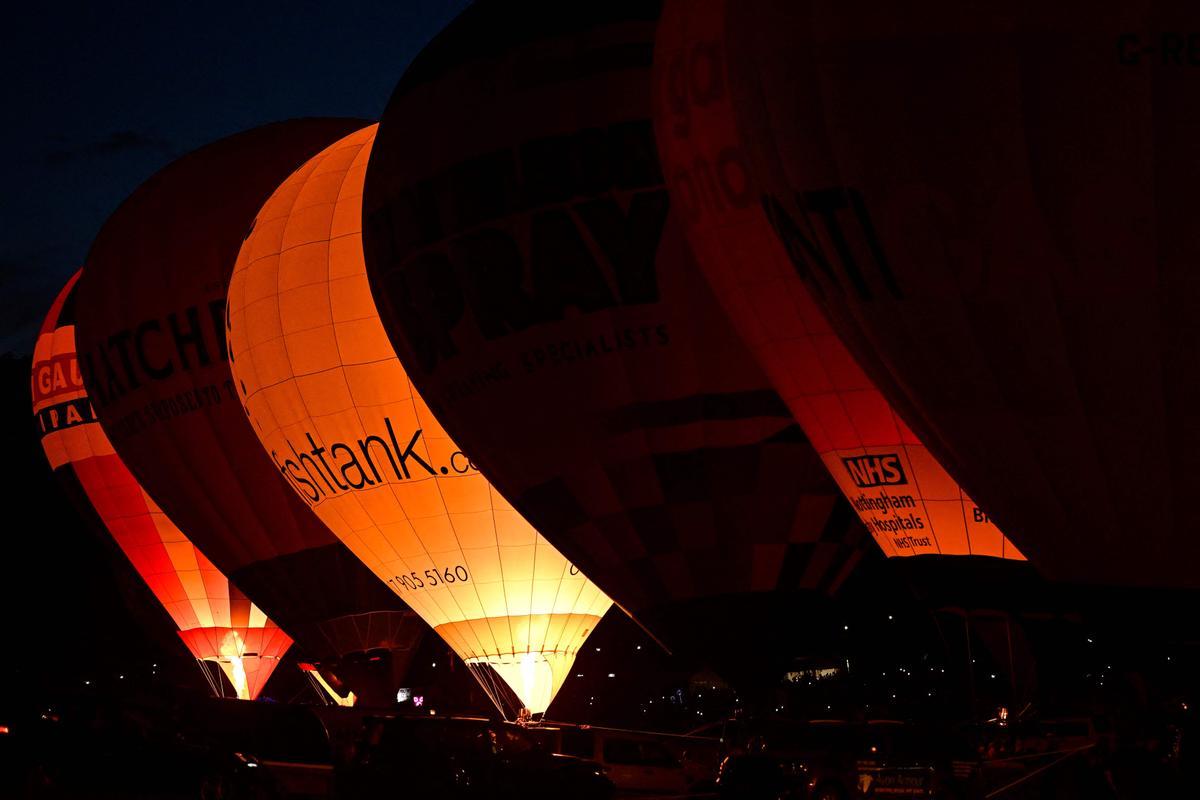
[152,345]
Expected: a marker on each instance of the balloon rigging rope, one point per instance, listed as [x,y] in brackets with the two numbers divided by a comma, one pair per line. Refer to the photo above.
[492,685]
[216,686]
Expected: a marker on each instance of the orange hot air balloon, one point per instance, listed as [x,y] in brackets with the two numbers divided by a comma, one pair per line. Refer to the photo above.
[993,205]
[152,349]
[904,496]
[530,273]
[216,621]
[334,408]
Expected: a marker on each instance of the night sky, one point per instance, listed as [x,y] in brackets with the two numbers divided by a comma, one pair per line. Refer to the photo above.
[99,96]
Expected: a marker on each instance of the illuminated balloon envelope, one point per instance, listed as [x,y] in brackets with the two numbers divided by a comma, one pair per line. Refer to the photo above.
[996,213]
[903,495]
[335,410]
[532,278]
[152,347]
[216,621]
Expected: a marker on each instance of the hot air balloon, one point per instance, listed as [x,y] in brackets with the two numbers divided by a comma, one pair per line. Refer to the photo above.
[900,491]
[216,621]
[335,410]
[532,278]
[152,347]
[993,207]
[902,494]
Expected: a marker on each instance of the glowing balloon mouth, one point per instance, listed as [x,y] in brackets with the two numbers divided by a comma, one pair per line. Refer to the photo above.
[534,678]
[246,656]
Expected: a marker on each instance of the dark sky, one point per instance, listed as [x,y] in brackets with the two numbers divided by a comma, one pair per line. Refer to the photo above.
[98,96]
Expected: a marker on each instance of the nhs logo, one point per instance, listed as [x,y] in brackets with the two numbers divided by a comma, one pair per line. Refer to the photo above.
[875,470]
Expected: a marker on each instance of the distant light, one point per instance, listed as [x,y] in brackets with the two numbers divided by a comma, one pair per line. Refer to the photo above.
[890,616]
[597,649]
[993,676]
[578,674]
[1089,640]
[121,677]
[251,764]
[434,665]
[612,674]
[639,647]
[87,683]
[845,627]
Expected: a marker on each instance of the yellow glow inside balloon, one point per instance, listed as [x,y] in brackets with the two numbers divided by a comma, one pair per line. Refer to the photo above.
[333,406]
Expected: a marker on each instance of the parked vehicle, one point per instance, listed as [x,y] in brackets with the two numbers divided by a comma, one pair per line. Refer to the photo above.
[779,758]
[900,760]
[633,761]
[836,760]
[463,757]
[261,750]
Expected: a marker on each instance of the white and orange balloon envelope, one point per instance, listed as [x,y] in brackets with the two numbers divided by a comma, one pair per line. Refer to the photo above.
[216,621]
[333,406]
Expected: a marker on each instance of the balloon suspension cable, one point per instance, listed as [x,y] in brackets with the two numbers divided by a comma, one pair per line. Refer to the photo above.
[495,688]
[645,630]
[214,681]
[316,687]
